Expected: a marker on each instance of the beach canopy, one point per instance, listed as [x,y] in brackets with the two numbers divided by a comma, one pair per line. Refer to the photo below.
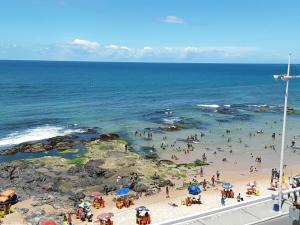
[84,205]
[227,185]
[123,191]
[252,184]
[48,222]
[194,190]
[104,216]
[141,208]
[96,194]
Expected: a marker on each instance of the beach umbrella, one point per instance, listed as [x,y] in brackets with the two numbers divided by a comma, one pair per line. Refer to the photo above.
[194,190]
[48,222]
[252,184]
[104,216]
[123,191]
[227,186]
[142,213]
[84,205]
[141,208]
[96,194]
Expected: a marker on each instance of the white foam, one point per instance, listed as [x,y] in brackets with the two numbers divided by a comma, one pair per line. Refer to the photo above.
[171,120]
[209,106]
[35,134]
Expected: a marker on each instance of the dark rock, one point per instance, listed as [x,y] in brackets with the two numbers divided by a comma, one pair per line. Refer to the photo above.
[27,148]
[165,161]
[71,136]
[26,179]
[22,210]
[93,169]
[107,137]
[155,177]
[165,183]
[170,128]
[90,131]
[151,155]
[140,187]
[114,136]
[64,145]
[53,141]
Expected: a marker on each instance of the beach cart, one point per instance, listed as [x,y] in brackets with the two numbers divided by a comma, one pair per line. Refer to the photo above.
[142,216]
[122,199]
[227,190]
[105,218]
[252,189]
[98,201]
[84,212]
[193,190]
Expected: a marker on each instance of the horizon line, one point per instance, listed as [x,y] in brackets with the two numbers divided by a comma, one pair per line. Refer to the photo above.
[141,62]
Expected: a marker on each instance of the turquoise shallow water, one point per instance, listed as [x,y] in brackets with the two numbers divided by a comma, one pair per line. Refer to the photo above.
[43,99]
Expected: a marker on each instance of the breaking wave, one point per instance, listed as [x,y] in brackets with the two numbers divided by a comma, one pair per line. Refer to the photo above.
[36,134]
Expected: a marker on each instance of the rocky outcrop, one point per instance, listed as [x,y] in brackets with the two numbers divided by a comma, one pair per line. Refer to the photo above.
[26,148]
[107,137]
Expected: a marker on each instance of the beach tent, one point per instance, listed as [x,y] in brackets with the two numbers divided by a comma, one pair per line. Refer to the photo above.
[194,190]
[123,191]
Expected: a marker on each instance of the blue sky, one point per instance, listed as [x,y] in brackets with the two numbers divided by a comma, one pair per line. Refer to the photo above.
[254,31]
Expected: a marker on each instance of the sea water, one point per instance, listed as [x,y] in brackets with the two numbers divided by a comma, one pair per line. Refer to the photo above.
[40,99]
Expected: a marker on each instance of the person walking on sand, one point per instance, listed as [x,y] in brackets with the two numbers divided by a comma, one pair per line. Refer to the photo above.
[218,175]
[223,198]
[239,198]
[204,184]
[167,192]
[213,180]
[201,171]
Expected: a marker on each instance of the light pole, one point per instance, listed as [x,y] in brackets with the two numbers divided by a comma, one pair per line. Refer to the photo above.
[286,78]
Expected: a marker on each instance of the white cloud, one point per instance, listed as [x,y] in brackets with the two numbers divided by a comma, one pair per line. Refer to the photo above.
[173,19]
[117,47]
[80,49]
[85,43]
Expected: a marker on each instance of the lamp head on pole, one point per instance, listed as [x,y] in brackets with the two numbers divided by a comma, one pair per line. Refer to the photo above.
[280,76]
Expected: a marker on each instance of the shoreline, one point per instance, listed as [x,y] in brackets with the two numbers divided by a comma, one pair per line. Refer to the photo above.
[109,156]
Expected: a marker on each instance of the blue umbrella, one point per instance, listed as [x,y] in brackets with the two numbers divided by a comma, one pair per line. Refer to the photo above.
[227,186]
[123,191]
[194,190]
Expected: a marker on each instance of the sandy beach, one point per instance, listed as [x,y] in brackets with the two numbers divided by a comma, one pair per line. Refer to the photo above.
[234,170]
[159,206]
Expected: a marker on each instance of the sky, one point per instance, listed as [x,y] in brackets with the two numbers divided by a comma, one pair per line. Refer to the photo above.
[222,31]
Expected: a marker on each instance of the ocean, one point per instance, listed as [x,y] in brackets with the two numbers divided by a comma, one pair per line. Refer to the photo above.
[42,99]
